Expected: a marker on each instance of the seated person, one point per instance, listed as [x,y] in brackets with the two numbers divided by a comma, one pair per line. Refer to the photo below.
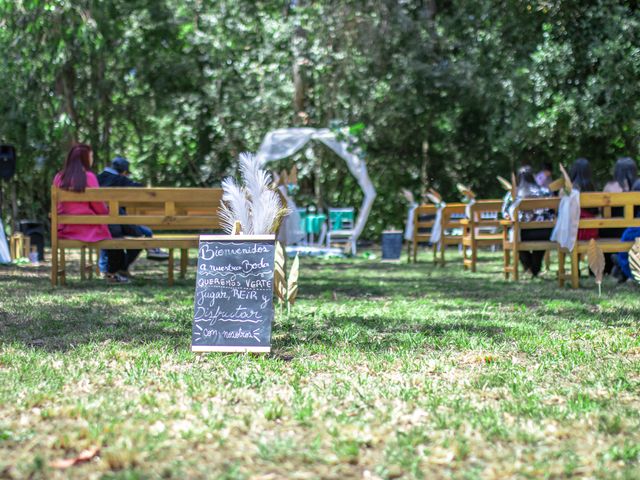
[623,270]
[581,178]
[528,188]
[76,176]
[543,177]
[118,176]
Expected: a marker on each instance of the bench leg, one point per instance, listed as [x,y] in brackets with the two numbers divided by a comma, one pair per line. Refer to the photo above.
[170,266]
[83,263]
[575,269]
[90,266]
[474,256]
[184,261]
[506,256]
[516,265]
[54,265]
[442,248]
[465,260]
[63,267]
[547,260]
[561,273]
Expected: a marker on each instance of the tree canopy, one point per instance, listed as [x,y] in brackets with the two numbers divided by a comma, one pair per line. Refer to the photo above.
[439,91]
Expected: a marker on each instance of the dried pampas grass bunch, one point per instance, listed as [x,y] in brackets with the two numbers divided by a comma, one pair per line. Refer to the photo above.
[253,203]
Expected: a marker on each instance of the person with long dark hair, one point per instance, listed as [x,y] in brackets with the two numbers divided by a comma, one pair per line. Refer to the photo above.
[582,179]
[625,174]
[527,187]
[76,176]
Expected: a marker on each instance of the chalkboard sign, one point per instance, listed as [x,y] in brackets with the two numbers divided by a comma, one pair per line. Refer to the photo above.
[234,294]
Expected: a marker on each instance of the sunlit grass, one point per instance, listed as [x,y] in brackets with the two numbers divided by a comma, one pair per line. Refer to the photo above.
[382,370]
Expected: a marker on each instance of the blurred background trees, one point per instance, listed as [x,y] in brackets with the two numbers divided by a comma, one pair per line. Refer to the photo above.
[447,90]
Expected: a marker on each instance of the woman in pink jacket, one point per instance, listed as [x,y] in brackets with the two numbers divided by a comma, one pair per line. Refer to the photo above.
[76,176]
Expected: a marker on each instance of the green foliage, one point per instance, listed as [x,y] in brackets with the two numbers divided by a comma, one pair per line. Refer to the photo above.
[181,87]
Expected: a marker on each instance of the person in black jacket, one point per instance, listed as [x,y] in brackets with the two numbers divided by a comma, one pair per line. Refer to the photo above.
[117,175]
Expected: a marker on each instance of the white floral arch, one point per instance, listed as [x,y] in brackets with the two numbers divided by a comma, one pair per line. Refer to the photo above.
[284,142]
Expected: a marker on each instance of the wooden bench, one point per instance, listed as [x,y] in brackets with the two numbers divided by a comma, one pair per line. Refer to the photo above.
[452,214]
[452,217]
[604,202]
[512,247]
[174,209]
[424,217]
[483,215]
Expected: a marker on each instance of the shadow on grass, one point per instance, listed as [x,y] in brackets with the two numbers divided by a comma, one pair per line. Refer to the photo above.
[37,315]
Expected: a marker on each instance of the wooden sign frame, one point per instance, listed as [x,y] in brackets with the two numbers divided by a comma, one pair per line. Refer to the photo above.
[229,348]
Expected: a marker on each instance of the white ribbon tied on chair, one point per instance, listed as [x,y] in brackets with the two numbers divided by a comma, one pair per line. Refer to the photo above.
[408,231]
[436,231]
[511,212]
[467,209]
[5,256]
[565,231]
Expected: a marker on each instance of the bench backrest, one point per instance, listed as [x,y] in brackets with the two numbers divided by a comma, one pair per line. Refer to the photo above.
[420,220]
[485,213]
[452,214]
[627,201]
[156,207]
[527,204]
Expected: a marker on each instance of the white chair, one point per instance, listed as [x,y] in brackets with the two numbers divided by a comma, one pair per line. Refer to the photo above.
[341,222]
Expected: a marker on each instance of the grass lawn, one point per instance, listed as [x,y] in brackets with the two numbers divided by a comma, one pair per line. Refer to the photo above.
[381,371]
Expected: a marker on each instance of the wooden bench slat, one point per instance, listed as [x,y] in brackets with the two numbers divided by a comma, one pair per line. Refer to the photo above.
[152,195]
[615,222]
[133,243]
[196,221]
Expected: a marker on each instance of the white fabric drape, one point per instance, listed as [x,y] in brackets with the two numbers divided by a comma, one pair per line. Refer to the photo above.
[5,256]
[408,231]
[436,231]
[511,211]
[290,231]
[467,209]
[285,142]
[565,231]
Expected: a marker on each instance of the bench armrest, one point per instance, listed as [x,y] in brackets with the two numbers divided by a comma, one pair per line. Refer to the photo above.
[506,223]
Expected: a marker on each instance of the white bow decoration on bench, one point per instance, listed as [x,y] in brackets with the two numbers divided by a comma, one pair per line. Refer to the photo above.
[511,211]
[565,232]
[436,231]
[5,257]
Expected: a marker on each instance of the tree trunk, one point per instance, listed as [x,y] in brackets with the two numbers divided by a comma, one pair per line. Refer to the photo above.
[424,170]
[14,207]
[67,88]
[299,79]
